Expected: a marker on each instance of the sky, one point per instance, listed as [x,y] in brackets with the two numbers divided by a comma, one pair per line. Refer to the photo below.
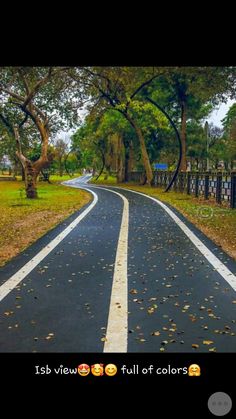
[218,114]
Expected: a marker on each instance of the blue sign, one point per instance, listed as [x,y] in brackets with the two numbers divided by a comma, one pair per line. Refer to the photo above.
[161,166]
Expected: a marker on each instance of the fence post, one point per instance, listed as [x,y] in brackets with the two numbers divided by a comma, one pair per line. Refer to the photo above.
[206,187]
[233,190]
[218,188]
[155,179]
[188,183]
[196,185]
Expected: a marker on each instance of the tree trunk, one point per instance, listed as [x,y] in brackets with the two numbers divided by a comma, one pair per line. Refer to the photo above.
[32,169]
[145,157]
[22,173]
[15,167]
[131,157]
[60,168]
[120,171]
[30,180]
[183,164]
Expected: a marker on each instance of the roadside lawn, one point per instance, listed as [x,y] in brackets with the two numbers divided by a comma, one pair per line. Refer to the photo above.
[218,222]
[23,220]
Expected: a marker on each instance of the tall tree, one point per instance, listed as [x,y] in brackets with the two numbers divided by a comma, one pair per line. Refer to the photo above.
[35,97]
[191,90]
[117,88]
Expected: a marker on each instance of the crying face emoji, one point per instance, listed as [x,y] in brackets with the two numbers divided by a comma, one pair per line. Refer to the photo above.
[194,370]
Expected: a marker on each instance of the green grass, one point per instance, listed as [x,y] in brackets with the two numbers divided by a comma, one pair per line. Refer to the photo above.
[111,180]
[57,178]
[24,220]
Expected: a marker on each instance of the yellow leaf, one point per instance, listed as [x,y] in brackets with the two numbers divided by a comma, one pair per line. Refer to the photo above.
[207,342]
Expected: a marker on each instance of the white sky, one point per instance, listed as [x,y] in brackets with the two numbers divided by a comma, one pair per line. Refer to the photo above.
[218,114]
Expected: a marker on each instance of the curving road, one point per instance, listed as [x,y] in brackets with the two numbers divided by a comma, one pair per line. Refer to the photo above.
[125,273]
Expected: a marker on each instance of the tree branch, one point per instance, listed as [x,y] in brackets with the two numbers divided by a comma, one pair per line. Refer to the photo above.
[7,124]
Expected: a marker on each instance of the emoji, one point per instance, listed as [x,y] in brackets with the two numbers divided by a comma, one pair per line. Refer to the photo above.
[97,369]
[194,370]
[83,370]
[111,369]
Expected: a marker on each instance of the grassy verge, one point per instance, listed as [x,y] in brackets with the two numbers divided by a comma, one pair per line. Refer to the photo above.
[23,221]
[111,180]
[57,178]
[218,222]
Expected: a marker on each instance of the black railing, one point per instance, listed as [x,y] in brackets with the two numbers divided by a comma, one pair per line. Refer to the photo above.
[220,186]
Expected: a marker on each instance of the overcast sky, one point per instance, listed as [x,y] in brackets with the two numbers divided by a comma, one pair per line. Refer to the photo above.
[219,113]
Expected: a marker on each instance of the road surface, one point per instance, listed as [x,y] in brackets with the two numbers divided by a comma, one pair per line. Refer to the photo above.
[122,274]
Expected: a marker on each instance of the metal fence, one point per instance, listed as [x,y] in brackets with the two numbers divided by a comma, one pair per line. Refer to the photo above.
[220,186]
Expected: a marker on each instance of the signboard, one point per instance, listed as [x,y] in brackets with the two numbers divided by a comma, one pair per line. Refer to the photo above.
[161,166]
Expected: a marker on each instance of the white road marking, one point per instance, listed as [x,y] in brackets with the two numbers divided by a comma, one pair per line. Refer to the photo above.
[15,279]
[214,261]
[117,325]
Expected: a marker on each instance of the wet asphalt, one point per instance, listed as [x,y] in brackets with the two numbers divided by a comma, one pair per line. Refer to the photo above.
[177,302]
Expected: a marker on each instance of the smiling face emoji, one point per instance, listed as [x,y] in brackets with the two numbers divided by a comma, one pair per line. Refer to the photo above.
[194,370]
[97,369]
[83,370]
[111,369]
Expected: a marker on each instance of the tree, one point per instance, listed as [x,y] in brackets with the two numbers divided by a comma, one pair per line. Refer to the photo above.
[38,98]
[61,149]
[229,124]
[117,87]
[192,90]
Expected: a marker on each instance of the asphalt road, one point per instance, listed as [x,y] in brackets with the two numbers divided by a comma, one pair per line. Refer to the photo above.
[126,269]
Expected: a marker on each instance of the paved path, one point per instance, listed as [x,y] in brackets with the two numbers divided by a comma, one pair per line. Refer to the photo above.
[126,277]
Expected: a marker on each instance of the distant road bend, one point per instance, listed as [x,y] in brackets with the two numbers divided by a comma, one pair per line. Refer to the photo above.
[125,273]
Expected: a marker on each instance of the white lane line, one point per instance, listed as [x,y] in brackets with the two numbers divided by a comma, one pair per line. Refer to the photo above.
[15,279]
[117,325]
[214,261]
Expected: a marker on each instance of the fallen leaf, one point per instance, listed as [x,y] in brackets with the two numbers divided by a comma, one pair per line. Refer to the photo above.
[212,349]
[195,346]
[133,291]
[150,310]
[207,342]
[157,333]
